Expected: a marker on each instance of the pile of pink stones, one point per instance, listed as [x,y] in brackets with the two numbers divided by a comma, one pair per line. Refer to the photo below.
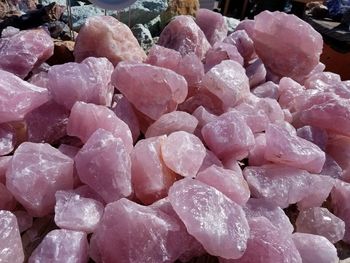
[195,148]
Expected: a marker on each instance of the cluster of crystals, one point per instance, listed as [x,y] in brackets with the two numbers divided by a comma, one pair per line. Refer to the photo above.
[146,152]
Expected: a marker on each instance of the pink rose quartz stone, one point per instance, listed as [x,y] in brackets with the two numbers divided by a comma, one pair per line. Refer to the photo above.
[183,153]
[229,136]
[40,79]
[62,246]
[172,122]
[338,147]
[4,163]
[217,222]
[314,248]
[203,116]
[209,160]
[266,90]
[258,207]
[228,82]
[87,192]
[331,168]
[105,36]
[77,213]
[284,185]
[124,111]
[319,221]
[248,26]
[285,148]
[71,151]
[256,73]
[22,52]
[9,31]
[104,164]
[47,123]
[268,244]
[86,118]
[151,89]
[7,138]
[220,52]
[129,232]
[192,69]
[7,201]
[231,184]
[151,178]
[256,155]
[159,56]
[185,36]
[288,90]
[277,42]
[24,220]
[88,81]
[18,97]
[212,24]
[315,135]
[243,43]
[35,173]
[10,243]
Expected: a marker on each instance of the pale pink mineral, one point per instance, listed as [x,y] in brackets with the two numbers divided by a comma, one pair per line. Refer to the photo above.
[7,138]
[7,201]
[243,43]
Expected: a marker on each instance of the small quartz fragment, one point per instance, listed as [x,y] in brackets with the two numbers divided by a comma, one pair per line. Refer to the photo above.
[105,36]
[319,221]
[288,91]
[77,213]
[248,26]
[217,222]
[243,43]
[87,192]
[35,173]
[211,159]
[151,89]
[7,139]
[315,135]
[256,73]
[159,56]
[183,153]
[104,164]
[266,90]
[86,118]
[314,248]
[256,155]
[10,243]
[62,246]
[18,97]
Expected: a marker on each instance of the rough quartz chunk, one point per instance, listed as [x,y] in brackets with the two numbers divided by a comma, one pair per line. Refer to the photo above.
[256,73]
[211,159]
[314,248]
[283,147]
[315,135]
[18,97]
[104,164]
[20,53]
[277,42]
[228,82]
[248,26]
[159,56]
[232,184]
[62,246]
[7,138]
[150,176]
[212,24]
[172,122]
[35,173]
[129,232]
[319,221]
[243,43]
[256,155]
[268,244]
[229,136]
[86,118]
[183,35]
[10,243]
[77,213]
[152,90]
[105,36]
[88,81]
[288,91]
[183,153]
[266,90]
[217,222]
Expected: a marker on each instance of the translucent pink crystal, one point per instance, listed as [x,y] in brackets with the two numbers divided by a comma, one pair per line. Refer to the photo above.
[338,147]
[71,151]
[7,139]
[209,160]
[213,25]
[218,223]
[77,213]
[228,82]
[268,244]
[331,168]
[62,246]
[104,154]
[283,147]
[87,192]
[7,201]
[151,231]
[256,155]
[192,69]
[229,136]
[86,118]
[314,135]
[314,248]
[159,56]
[140,82]
[243,43]
[319,221]
[171,122]
[233,185]
[10,243]
[248,26]
[36,172]
[18,97]
[277,33]
[288,90]
[266,90]
[256,73]
[150,176]
[22,52]
[105,36]
[183,153]
[24,220]
[183,35]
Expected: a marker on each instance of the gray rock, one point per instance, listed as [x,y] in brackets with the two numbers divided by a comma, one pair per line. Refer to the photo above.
[143,36]
[232,23]
[59,2]
[154,26]
[81,13]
